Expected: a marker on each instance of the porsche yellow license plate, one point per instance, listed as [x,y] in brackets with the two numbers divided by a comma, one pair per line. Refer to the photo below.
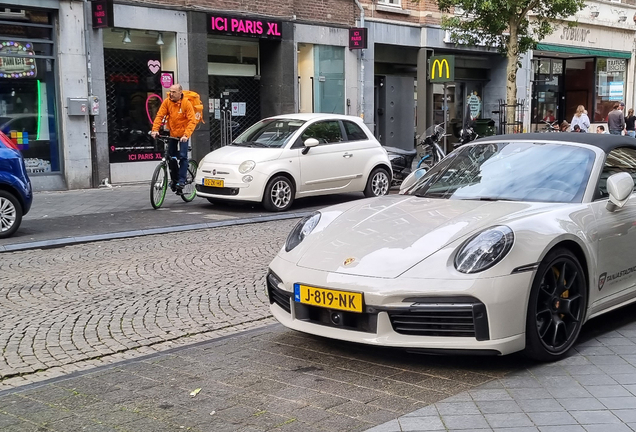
[213,182]
[328,298]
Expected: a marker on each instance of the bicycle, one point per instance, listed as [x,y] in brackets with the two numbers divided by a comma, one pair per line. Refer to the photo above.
[159,184]
[431,151]
[551,126]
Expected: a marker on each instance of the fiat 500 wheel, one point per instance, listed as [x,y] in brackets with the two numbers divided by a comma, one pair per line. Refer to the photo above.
[10,214]
[557,305]
[378,183]
[279,194]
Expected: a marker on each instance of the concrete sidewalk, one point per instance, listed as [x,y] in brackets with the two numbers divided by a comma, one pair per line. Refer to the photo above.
[80,216]
[593,390]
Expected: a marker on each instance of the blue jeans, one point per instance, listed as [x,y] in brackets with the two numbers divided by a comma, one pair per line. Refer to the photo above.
[615,132]
[631,133]
[179,150]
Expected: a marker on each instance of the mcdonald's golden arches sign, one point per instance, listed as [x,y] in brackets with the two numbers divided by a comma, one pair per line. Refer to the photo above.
[442,68]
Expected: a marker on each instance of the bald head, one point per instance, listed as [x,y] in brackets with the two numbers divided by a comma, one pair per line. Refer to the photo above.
[176,91]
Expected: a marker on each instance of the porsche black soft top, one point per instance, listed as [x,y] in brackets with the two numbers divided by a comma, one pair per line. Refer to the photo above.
[605,142]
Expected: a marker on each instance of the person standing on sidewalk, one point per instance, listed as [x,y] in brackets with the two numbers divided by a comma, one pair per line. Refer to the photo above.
[181,124]
[630,123]
[616,120]
[580,119]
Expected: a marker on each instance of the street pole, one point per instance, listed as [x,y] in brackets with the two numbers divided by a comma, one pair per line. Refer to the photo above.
[444,110]
[361,62]
[89,80]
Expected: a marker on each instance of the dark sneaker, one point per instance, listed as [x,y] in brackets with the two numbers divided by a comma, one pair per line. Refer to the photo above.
[173,186]
[179,189]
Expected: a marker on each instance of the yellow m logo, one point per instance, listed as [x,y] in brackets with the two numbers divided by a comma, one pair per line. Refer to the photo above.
[440,68]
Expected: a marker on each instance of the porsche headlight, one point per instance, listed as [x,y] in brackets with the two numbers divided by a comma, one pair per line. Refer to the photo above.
[484,250]
[246,166]
[302,229]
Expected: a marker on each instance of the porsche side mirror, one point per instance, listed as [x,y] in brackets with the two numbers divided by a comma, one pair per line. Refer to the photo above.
[411,179]
[309,143]
[619,186]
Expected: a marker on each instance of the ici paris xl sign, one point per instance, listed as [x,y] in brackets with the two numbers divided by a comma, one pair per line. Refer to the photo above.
[238,26]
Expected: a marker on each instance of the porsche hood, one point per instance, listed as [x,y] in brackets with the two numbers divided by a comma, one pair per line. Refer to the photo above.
[387,236]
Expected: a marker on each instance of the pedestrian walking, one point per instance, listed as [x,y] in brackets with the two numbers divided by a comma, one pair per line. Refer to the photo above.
[630,123]
[616,120]
[580,119]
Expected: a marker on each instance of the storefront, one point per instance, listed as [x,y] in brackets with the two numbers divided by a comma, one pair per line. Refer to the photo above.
[143,55]
[243,60]
[28,102]
[583,65]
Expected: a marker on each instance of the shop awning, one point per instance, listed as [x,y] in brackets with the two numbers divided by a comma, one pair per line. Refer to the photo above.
[584,52]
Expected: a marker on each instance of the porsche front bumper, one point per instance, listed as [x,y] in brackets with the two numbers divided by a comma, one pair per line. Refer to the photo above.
[469,315]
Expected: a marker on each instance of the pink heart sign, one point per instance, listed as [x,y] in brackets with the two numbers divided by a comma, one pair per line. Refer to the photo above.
[154,66]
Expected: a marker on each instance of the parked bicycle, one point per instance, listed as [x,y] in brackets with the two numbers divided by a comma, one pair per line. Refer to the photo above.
[159,184]
[551,126]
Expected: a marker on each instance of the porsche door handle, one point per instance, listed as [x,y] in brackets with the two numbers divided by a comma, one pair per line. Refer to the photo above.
[347,155]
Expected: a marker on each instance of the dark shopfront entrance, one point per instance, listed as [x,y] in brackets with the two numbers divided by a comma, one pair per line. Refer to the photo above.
[237,106]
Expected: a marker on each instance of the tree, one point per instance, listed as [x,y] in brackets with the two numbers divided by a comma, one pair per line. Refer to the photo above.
[506,24]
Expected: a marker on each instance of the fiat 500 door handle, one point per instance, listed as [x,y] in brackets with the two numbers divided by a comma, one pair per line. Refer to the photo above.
[347,155]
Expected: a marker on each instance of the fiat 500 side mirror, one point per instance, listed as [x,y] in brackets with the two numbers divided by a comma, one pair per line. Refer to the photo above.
[309,143]
[619,186]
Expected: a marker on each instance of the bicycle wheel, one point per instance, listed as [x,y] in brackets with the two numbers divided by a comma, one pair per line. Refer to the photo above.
[189,191]
[158,186]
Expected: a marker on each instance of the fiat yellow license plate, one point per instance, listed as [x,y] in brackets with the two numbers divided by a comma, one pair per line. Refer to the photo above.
[213,182]
[328,298]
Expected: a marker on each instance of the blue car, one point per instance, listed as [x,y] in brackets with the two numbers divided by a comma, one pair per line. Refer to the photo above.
[15,188]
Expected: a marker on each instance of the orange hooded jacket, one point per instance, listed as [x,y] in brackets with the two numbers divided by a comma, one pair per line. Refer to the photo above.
[181,119]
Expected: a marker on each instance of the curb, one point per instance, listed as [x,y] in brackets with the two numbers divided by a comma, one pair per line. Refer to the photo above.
[55,243]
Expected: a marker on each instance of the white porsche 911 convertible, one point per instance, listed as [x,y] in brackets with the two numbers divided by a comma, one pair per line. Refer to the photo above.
[510,243]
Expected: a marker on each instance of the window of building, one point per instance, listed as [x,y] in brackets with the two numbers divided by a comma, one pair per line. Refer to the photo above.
[27,87]
[134,90]
[610,85]
[391,2]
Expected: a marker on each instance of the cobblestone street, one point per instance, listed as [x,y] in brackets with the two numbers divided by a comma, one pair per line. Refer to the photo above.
[62,307]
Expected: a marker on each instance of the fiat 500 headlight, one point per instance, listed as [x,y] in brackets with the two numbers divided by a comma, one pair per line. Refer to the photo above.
[303,228]
[484,250]
[246,166]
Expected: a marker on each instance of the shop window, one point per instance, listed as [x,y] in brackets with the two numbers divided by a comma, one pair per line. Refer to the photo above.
[610,85]
[27,88]
[134,65]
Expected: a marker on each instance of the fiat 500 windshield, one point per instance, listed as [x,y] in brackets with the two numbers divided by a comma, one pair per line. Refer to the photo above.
[269,133]
[515,171]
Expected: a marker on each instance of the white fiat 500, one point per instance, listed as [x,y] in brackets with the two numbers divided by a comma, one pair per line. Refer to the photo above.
[291,156]
[508,244]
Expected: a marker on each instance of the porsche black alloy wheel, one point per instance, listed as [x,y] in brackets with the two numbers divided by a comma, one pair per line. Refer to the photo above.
[557,305]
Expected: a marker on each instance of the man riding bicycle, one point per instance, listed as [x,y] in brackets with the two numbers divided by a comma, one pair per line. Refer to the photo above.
[181,123]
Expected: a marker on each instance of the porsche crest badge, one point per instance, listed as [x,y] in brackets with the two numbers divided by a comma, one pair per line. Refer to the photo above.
[349,261]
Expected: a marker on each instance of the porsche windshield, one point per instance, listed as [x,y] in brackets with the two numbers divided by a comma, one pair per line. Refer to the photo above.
[514,171]
[272,133]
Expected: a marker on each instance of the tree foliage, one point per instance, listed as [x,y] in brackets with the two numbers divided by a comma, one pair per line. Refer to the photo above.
[492,22]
